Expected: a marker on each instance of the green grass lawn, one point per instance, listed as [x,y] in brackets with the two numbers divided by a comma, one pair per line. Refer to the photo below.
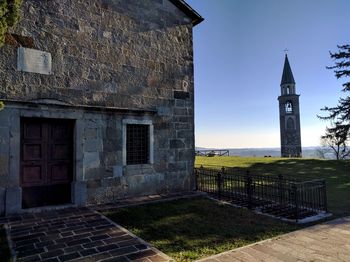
[190,229]
[336,174]
[5,254]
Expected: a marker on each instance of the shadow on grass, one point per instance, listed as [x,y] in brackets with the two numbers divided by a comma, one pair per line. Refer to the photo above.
[190,229]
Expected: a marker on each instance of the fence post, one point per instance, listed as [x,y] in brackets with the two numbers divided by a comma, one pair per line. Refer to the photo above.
[325,195]
[249,189]
[280,189]
[296,201]
[196,178]
[219,184]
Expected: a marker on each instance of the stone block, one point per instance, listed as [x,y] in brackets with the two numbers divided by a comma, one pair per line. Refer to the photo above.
[93,184]
[13,200]
[93,145]
[164,111]
[79,193]
[109,159]
[178,166]
[91,159]
[111,182]
[185,155]
[117,171]
[180,111]
[177,143]
[90,133]
[110,146]
[94,173]
[112,133]
[184,133]
[179,126]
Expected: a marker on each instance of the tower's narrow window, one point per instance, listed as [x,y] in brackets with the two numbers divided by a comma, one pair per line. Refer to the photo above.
[290,124]
[289,107]
[287,90]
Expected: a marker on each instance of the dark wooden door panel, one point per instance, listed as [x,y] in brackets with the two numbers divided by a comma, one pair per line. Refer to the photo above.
[33,130]
[46,161]
[34,175]
[32,152]
[60,152]
[60,173]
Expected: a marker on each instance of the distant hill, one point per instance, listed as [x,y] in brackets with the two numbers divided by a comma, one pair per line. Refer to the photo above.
[308,152]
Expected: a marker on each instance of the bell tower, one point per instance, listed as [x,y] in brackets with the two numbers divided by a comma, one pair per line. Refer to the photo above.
[289,114]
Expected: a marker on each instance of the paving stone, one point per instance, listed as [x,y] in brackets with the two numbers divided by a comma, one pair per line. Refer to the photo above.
[44,243]
[64,235]
[118,239]
[99,237]
[56,246]
[123,251]
[93,244]
[51,260]
[30,252]
[26,247]
[158,258]
[131,242]
[100,256]
[116,233]
[52,254]
[116,259]
[107,247]
[26,242]
[142,254]
[141,247]
[88,252]
[73,249]
[69,256]
[29,259]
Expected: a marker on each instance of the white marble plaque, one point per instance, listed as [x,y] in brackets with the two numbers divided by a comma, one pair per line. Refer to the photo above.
[34,61]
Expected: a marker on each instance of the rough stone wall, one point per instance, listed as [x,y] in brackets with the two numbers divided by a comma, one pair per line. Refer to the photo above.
[115,53]
[105,52]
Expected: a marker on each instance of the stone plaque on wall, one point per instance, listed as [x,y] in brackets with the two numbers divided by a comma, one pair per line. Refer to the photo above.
[34,61]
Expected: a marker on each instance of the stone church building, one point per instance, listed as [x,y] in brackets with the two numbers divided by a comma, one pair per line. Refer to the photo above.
[99,102]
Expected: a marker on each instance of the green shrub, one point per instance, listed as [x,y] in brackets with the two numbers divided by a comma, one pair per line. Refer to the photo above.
[9,16]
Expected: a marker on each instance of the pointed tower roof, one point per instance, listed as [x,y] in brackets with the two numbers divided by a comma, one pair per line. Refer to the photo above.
[287,77]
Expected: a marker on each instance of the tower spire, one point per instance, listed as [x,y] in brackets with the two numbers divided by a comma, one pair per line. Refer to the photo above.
[287,76]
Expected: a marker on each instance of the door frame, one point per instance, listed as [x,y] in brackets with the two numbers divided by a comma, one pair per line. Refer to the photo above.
[15,111]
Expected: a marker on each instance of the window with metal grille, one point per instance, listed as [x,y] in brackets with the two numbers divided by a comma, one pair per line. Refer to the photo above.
[137,144]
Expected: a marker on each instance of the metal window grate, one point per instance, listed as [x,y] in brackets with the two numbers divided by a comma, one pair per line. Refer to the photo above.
[137,144]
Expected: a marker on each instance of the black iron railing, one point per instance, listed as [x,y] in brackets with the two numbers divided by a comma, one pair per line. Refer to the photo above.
[220,152]
[279,196]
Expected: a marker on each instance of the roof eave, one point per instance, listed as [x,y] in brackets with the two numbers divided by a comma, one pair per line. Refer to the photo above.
[189,11]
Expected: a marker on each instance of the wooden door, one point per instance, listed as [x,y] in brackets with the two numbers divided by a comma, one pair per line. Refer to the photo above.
[46,161]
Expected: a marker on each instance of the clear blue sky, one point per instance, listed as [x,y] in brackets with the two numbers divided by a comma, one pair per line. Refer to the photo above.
[239,59]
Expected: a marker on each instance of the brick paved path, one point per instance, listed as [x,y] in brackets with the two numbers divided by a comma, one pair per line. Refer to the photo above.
[325,242]
[75,234]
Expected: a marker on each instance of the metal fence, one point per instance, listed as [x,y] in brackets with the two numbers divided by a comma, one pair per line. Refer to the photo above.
[275,195]
[211,153]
